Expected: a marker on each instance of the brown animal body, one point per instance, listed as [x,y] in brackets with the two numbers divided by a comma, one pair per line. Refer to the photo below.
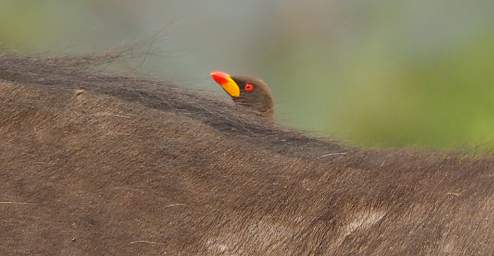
[108,165]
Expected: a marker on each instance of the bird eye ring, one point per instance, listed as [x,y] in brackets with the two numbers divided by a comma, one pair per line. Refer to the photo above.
[249,87]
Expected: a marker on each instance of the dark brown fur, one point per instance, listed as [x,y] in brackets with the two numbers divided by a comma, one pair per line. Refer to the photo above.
[96,164]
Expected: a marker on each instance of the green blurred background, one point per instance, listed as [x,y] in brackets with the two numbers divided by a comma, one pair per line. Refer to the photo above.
[378,73]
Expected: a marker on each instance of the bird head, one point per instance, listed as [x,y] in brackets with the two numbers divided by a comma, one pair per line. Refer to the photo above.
[246,91]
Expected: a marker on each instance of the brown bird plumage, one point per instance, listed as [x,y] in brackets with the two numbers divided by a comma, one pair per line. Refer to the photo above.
[247,91]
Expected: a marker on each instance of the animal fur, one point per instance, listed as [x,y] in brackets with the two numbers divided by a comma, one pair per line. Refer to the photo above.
[94,164]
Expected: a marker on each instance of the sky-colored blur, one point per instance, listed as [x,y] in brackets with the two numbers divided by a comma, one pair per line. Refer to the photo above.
[376,73]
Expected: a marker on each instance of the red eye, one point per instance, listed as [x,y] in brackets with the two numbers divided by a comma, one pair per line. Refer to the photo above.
[249,87]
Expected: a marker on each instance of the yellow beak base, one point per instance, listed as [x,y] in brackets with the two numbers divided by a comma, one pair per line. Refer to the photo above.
[228,84]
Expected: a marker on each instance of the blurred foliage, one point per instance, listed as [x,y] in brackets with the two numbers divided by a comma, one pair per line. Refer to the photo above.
[379,99]
[386,73]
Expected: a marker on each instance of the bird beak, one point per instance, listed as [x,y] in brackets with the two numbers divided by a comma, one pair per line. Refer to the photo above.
[226,81]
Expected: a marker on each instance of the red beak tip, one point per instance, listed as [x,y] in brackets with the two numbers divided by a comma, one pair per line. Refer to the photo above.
[220,77]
